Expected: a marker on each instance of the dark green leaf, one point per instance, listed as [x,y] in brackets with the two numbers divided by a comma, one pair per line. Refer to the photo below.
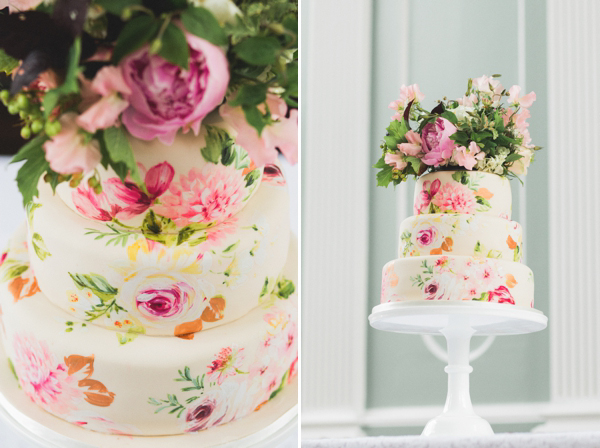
[252,177]
[415,163]
[174,47]
[384,177]
[136,33]
[30,149]
[96,283]
[7,63]
[512,157]
[258,50]
[254,118]
[117,6]
[290,23]
[202,23]
[228,155]
[381,162]
[250,95]
[449,115]
[216,140]
[70,84]
[120,152]
[31,171]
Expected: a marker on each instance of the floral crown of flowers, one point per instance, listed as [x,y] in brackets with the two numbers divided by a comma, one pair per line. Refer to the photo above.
[83,71]
[475,132]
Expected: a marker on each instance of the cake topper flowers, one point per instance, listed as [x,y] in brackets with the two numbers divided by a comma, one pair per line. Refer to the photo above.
[475,132]
[88,73]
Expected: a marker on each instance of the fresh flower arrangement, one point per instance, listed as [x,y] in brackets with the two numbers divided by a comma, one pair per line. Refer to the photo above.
[86,73]
[475,132]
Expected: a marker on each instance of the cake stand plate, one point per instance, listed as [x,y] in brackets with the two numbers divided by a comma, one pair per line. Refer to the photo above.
[274,423]
[457,322]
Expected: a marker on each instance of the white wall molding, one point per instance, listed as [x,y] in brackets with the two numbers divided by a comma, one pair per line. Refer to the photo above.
[573,95]
[336,160]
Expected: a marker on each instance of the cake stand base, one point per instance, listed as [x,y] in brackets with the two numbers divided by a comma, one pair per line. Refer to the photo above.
[457,322]
[276,422]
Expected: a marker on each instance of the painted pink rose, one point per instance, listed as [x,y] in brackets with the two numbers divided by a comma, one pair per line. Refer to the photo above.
[123,200]
[165,98]
[210,412]
[165,302]
[501,295]
[281,134]
[71,150]
[227,363]
[426,236]
[414,145]
[212,194]
[436,142]
[43,378]
[454,197]
[431,289]
[425,196]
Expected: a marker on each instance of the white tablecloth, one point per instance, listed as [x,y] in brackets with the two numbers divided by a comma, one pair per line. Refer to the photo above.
[525,440]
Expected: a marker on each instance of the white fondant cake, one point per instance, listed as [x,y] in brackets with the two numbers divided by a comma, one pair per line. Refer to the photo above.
[461,244]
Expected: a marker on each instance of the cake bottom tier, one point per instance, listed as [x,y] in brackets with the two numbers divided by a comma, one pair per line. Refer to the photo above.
[125,383]
[447,277]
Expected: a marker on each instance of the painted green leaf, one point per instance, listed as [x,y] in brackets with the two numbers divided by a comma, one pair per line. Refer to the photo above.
[517,254]
[252,177]
[188,231]
[29,209]
[202,23]
[494,253]
[231,247]
[284,288]
[478,247]
[228,155]
[483,201]
[13,271]
[217,140]
[174,47]
[159,228]
[97,284]
[132,332]
[11,366]
[39,246]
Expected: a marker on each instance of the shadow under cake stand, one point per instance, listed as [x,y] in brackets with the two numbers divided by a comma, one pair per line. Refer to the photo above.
[276,422]
[457,322]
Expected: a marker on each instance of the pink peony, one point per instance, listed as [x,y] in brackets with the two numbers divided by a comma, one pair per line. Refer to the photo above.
[427,236]
[501,295]
[43,378]
[210,412]
[407,94]
[162,302]
[123,200]
[282,133]
[395,160]
[525,101]
[104,113]
[165,98]
[425,196]
[468,157]
[211,195]
[455,197]
[226,364]
[71,151]
[413,147]
[436,142]
[21,5]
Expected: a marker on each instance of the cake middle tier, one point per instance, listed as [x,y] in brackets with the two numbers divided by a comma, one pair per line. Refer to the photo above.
[155,282]
[458,234]
[457,278]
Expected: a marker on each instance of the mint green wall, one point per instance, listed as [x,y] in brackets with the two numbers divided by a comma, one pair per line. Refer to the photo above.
[450,42]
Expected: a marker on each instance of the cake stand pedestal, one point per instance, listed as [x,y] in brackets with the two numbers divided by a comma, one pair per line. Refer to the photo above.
[457,322]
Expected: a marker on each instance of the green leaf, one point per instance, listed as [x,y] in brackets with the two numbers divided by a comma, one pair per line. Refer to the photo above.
[29,209]
[174,47]
[70,84]
[381,162]
[159,228]
[135,33]
[31,171]
[14,272]
[39,246]
[258,50]
[284,288]
[202,23]
[216,140]
[478,247]
[231,247]
[188,231]
[483,201]
[512,157]
[384,177]
[11,366]
[460,176]
[415,163]
[494,253]
[30,149]
[7,63]
[290,23]
[116,7]
[252,177]
[449,115]
[250,95]
[120,152]
[228,155]
[255,118]
[96,283]
[398,129]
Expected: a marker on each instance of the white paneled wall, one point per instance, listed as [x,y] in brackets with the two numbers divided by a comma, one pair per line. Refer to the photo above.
[337,49]
[574,95]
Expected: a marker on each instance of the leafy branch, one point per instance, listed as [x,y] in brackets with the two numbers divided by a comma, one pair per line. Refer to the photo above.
[170,402]
[115,236]
[104,308]
[197,383]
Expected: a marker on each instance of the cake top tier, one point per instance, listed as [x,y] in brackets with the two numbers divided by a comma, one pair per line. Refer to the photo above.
[466,192]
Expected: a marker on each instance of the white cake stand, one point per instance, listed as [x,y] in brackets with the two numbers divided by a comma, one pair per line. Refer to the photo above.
[275,423]
[457,322]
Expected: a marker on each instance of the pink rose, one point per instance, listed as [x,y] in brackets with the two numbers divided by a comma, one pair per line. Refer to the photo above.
[468,157]
[123,200]
[165,302]
[282,133]
[71,151]
[501,295]
[110,86]
[425,196]
[426,236]
[413,147]
[165,98]
[210,412]
[431,289]
[437,144]
[455,197]
[395,160]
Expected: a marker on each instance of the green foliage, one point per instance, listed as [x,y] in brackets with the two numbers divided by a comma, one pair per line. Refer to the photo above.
[117,6]
[174,47]
[193,229]
[159,228]
[39,246]
[186,376]
[95,283]
[258,50]
[13,271]
[284,288]
[70,84]
[171,403]
[250,95]
[34,167]
[252,177]
[119,154]
[202,23]
[135,33]
[7,63]
[115,236]
[218,142]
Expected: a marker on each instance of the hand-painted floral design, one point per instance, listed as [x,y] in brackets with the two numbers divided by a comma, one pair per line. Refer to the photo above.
[454,198]
[58,386]
[15,269]
[273,175]
[227,362]
[423,200]
[389,281]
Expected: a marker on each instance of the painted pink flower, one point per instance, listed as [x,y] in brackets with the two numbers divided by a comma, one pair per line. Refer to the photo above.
[123,200]
[396,160]
[165,98]
[217,233]
[501,295]
[468,157]
[210,412]
[426,236]
[162,302]
[282,133]
[455,197]
[524,101]
[70,151]
[212,194]
[425,196]
[413,147]
[45,380]
[226,364]
[407,94]
[3,257]
[272,175]
[110,87]
[436,142]
[431,289]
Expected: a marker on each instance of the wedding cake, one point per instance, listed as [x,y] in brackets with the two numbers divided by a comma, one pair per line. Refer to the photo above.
[152,290]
